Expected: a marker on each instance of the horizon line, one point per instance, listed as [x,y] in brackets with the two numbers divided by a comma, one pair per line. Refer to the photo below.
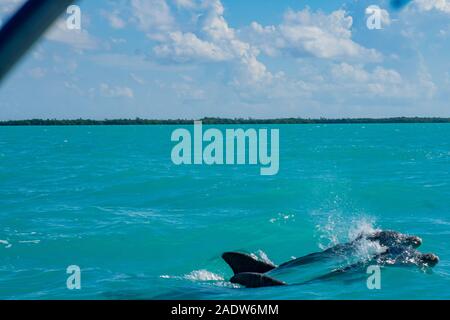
[218,120]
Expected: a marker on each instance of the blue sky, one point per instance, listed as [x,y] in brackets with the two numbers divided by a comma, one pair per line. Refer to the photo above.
[234,58]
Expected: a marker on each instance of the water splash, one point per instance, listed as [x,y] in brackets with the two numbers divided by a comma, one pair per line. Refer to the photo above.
[367,249]
[196,275]
[203,275]
[329,232]
[337,229]
[361,226]
[261,255]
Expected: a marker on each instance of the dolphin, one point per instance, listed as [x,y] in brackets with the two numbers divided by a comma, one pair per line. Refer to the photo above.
[253,273]
[394,256]
[385,238]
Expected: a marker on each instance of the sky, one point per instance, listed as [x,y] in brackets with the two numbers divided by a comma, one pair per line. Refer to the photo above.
[233,58]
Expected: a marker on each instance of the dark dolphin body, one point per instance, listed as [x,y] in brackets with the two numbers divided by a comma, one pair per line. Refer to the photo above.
[400,250]
[393,256]
[386,239]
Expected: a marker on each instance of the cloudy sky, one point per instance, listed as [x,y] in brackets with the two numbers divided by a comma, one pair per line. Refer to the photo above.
[235,58]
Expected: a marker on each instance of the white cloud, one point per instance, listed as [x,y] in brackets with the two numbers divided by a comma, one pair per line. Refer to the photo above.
[381,82]
[116,91]
[187,46]
[37,72]
[114,19]
[118,40]
[153,17]
[428,5]
[305,33]
[78,39]
[137,79]
[213,40]
[428,87]
[345,71]
[185,4]
[186,91]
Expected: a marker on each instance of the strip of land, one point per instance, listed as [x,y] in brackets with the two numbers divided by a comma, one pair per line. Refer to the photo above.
[138,121]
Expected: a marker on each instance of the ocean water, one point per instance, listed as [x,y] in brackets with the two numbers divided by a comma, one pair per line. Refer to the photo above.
[109,200]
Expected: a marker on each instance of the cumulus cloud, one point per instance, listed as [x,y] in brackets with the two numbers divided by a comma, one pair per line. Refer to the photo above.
[206,37]
[213,40]
[428,5]
[196,32]
[381,82]
[317,34]
[153,17]
[358,73]
[187,46]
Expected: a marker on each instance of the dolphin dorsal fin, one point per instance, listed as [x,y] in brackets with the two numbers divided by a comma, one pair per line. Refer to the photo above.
[242,262]
[255,280]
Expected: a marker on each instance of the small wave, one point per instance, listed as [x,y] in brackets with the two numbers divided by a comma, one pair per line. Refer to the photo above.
[6,244]
[281,217]
[440,222]
[203,275]
[196,275]
[30,241]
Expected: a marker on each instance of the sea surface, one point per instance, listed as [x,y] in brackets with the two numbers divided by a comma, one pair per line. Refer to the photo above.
[109,200]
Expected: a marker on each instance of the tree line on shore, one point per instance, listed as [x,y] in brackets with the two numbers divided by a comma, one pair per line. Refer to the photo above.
[206,121]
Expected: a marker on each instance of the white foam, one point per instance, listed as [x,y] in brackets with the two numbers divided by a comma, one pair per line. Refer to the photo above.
[261,255]
[282,217]
[339,229]
[203,275]
[367,249]
[6,244]
[363,225]
[30,241]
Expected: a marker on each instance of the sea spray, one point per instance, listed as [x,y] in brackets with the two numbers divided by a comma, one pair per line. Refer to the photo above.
[203,275]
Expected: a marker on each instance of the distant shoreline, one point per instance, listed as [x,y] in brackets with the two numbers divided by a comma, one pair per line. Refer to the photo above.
[206,121]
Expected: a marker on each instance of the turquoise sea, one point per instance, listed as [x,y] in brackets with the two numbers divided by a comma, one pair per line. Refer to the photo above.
[109,200]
